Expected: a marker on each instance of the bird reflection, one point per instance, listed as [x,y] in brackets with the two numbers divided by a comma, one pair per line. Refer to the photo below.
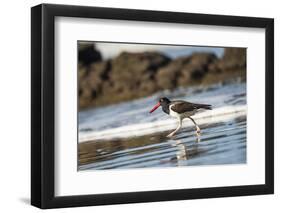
[184,152]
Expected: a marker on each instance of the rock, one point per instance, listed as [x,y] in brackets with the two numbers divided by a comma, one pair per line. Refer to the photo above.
[233,59]
[167,76]
[90,84]
[131,70]
[128,76]
[231,66]
[90,73]
[133,75]
[87,54]
[182,71]
[196,68]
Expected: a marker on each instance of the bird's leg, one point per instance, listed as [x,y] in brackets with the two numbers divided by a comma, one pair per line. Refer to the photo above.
[177,129]
[197,127]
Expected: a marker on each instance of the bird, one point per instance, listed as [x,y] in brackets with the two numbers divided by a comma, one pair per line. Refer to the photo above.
[180,110]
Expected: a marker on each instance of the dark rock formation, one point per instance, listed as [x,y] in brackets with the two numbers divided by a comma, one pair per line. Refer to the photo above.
[133,75]
[87,54]
[184,71]
[128,76]
[231,65]
[194,71]
[233,58]
[91,82]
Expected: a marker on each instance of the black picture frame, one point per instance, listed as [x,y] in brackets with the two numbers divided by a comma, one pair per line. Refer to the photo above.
[43,102]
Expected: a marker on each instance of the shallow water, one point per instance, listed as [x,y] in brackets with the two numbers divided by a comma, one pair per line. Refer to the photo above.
[110,138]
[219,143]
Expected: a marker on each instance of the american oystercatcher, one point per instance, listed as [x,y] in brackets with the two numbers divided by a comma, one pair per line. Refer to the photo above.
[180,110]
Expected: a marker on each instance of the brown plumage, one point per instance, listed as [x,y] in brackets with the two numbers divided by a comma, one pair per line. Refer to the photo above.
[183,106]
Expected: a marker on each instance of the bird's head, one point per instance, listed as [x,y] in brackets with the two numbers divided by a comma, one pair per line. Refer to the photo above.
[162,102]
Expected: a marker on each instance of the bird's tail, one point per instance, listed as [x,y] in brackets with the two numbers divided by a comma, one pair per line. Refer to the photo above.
[205,106]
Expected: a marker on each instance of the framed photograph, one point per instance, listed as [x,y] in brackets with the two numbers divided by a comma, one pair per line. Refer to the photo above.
[139,106]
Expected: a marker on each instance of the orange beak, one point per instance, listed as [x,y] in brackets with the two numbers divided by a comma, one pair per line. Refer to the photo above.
[155,107]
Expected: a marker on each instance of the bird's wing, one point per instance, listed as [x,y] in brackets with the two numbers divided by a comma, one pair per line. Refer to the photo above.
[183,106]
